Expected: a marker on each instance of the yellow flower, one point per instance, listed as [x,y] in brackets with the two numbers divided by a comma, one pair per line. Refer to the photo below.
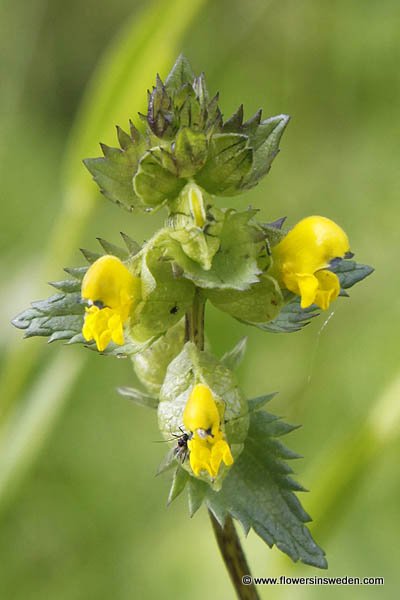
[207,445]
[111,291]
[301,260]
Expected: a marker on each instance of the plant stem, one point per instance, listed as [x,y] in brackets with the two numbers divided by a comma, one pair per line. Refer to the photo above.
[194,322]
[227,538]
[234,558]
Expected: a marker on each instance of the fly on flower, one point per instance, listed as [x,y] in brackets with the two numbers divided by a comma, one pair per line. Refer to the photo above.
[207,445]
[181,450]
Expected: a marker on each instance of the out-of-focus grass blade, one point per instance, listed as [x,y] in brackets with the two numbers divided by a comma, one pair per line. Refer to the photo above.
[27,428]
[334,489]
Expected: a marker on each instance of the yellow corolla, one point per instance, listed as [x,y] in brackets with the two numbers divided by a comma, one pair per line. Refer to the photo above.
[207,446]
[111,291]
[301,259]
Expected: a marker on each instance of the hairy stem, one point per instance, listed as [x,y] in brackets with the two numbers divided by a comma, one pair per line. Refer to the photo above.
[227,538]
[234,558]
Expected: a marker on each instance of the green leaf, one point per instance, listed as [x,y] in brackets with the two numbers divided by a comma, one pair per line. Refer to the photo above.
[138,397]
[197,491]
[350,272]
[114,173]
[179,481]
[180,74]
[291,318]
[234,357]
[160,114]
[190,151]
[259,492]
[154,183]
[266,146]
[59,317]
[261,303]
[229,162]
[260,401]
[168,462]
[165,299]
[235,264]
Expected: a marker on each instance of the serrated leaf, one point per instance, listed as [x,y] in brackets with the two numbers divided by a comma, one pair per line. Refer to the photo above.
[160,114]
[179,481]
[138,397]
[59,317]
[235,122]
[114,172]
[234,357]
[350,272]
[229,162]
[235,264]
[133,247]
[197,491]
[201,91]
[180,74]
[110,248]
[90,256]
[260,401]
[266,145]
[258,492]
[291,318]
[67,285]
[76,272]
[168,462]
[190,114]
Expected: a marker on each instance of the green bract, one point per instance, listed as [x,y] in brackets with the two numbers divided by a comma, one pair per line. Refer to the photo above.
[183,157]
[193,366]
[186,139]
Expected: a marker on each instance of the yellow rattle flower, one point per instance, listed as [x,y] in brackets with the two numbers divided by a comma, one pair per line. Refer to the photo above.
[110,290]
[207,445]
[301,260]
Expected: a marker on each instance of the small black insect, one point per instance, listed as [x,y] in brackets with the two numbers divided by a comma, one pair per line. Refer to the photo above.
[174,310]
[181,449]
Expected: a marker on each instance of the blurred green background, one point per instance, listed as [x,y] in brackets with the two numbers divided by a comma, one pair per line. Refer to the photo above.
[81,514]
